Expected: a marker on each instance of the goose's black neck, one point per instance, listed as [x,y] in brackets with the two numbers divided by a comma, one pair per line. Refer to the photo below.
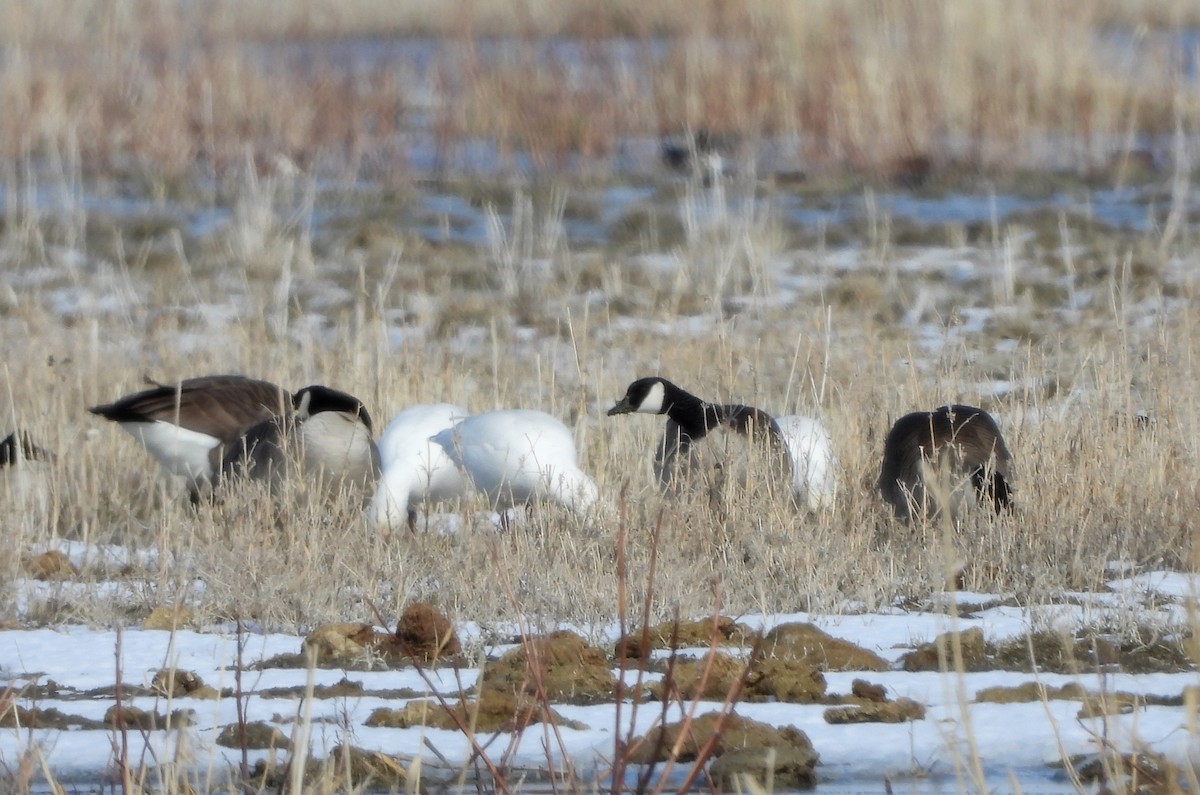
[693,415]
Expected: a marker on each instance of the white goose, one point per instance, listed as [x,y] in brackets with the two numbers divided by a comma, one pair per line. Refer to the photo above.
[416,469]
[520,456]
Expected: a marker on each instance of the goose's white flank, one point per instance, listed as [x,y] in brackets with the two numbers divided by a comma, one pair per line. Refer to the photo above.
[520,456]
[187,426]
[416,469]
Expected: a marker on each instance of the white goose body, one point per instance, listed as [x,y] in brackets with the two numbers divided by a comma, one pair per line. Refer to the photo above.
[518,456]
[416,468]
[814,467]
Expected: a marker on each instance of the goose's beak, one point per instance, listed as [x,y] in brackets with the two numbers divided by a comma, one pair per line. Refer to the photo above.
[622,407]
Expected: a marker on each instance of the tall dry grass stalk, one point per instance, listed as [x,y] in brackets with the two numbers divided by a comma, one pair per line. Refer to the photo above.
[162,89]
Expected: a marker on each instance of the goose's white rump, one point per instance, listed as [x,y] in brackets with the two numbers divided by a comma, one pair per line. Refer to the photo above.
[814,469]
[416,469]
[517,456]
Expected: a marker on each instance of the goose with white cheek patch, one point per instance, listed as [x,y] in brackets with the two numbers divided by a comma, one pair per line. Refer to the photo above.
[188,426]
[416,469]
[519,457]
[799,444]
[928,453]
[327,440]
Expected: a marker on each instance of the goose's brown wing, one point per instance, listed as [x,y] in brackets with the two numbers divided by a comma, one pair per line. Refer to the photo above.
[221,406]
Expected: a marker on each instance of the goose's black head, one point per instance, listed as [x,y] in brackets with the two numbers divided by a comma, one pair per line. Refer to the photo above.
[646,396]
[316,398]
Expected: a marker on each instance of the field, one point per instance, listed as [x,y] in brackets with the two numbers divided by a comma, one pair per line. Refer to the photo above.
[917,205]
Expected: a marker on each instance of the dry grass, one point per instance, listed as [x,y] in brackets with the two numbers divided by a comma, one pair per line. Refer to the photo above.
[163,90]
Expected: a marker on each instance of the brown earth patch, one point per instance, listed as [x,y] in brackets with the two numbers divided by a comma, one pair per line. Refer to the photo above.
[52,565]
[748,740]
[493,711]
[175,683]
[672,635]
[806,643]
[568,669]
[1030,691]
[253,735]
[424,633]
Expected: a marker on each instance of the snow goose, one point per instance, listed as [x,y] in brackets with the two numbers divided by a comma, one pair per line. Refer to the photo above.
[416,469]
[952,444]
[519,456]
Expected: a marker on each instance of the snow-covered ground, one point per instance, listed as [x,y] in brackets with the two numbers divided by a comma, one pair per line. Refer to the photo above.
[1017,743]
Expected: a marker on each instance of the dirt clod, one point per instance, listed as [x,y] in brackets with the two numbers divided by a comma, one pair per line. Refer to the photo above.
[685,634]
[737,734]
[806,643]
[52,565]
[255,735]
[898,711]
[568,668]
[423,632]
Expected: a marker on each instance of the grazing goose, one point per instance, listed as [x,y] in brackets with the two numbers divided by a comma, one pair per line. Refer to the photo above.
[953,443]
[415,467]
[800,443]
[519,456]
[187,426]
[328,435]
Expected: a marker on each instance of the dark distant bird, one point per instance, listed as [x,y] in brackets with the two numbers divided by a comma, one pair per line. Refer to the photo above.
[933,453]
[18,446]
[326,441]
[188,426]
[801,445]
[697,155]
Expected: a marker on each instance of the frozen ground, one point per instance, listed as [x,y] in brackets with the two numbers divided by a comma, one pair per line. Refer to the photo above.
[1017,744]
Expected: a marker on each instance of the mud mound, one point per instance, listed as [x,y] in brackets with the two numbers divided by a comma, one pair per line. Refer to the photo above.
[806,643]
[746,742]
[637,645]
[491,712]
[940,654]
[424,633]
[568,668]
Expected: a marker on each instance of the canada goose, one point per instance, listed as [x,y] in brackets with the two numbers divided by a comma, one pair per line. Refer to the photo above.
[953,442]
[328,433]
[415,467]
[187,426]
[801,444]
[519,456]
